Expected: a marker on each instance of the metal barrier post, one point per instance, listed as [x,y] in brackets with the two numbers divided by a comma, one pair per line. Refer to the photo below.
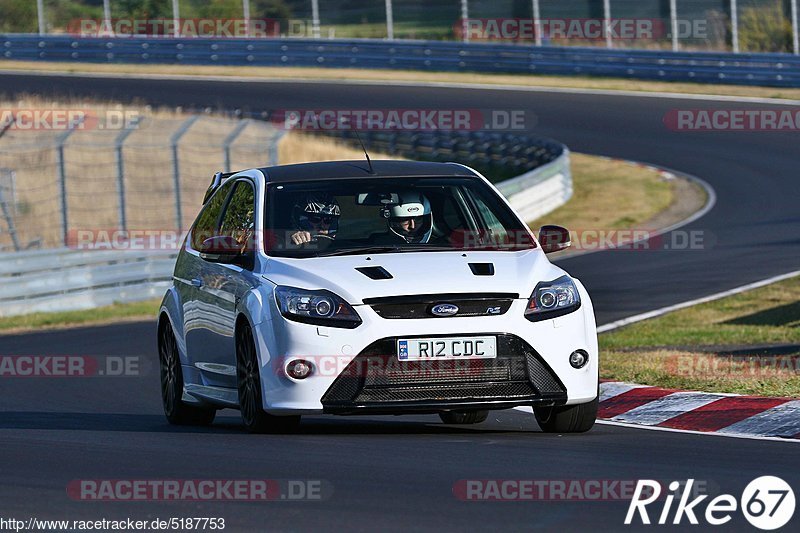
[176,15]
[537,22]
[465,20]
[107,28]
[607,22]
[795,29]
[230,139]
[118,145]
[4,206]
[246,15]
[315,19]
[62,178]
[176,169]
[389,21]
[673,17]
[274,146]
[735,26]
[40,16]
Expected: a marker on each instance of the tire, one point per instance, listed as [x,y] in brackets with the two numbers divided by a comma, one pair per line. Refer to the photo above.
[569,419]
[464,417]
[176,411]
[248,380]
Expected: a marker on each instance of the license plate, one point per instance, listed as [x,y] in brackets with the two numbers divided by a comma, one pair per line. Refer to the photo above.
[447,348]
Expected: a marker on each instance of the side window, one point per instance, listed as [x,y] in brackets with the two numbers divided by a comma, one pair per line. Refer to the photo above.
[239,218]
[206,224]
[489,218]
[451,214]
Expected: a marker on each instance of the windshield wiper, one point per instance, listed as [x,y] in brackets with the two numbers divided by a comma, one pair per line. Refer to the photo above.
[384,249]
[361,250]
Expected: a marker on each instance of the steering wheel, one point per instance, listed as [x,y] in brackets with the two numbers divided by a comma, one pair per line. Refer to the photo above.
[317,237]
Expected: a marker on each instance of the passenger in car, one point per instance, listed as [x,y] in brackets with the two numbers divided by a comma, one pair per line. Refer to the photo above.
[410,221]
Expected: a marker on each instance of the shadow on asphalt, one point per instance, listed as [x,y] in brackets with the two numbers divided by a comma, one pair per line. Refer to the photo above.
[27,420]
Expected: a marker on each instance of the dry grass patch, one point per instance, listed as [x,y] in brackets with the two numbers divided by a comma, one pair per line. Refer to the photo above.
[610,195]
[675,369]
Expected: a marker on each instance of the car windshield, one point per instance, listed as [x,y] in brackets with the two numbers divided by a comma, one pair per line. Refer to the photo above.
[388,215]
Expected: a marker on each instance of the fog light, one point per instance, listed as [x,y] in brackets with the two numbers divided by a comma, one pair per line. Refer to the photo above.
[299,369]
[578,359]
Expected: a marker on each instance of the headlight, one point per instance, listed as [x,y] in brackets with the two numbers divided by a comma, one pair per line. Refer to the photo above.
[553,298]
[322,308]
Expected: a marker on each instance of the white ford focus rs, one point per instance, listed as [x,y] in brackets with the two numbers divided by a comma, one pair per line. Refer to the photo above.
[386,288]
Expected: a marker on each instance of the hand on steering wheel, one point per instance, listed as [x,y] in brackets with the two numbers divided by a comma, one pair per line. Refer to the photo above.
[299,238]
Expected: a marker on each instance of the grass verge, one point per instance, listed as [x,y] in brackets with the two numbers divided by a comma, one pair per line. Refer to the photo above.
[570,82]
[723,346]
[87,317]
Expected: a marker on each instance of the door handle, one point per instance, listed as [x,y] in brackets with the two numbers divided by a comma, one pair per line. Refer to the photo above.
[197,282]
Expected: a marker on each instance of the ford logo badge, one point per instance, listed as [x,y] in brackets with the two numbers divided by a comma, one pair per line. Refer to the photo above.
[444,309]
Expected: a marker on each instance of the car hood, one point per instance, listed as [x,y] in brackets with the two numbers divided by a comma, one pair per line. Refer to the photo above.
[415,273]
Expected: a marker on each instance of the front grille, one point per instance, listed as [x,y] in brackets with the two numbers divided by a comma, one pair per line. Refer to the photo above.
[420,306]
[375,378]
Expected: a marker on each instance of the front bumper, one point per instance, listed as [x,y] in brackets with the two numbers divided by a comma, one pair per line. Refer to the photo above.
[532,367]
[376,382]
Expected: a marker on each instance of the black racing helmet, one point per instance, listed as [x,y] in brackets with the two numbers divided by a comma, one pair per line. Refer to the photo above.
[315,209]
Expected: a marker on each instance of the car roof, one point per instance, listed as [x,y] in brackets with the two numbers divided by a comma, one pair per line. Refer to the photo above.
[335,170]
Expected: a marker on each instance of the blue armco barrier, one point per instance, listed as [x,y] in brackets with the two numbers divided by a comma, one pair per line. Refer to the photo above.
[778,70]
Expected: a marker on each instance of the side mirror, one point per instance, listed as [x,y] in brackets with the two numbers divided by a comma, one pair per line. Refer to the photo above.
[554,239]
[221,249]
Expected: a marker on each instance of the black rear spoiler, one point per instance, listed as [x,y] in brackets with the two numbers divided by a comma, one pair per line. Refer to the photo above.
[216,181]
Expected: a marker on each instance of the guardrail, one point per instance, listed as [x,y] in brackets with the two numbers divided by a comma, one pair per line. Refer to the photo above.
[65,279]
[779,70]
[540,191]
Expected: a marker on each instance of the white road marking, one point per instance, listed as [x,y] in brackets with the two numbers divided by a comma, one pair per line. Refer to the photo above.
[664,310]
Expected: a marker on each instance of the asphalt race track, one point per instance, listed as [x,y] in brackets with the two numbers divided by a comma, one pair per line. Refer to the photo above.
[399,472]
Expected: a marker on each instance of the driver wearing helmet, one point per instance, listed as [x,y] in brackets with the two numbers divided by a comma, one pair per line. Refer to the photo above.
[317,215]
[411,218]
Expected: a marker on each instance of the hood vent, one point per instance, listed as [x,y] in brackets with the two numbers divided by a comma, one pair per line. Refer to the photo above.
[482,269]
[376,272]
